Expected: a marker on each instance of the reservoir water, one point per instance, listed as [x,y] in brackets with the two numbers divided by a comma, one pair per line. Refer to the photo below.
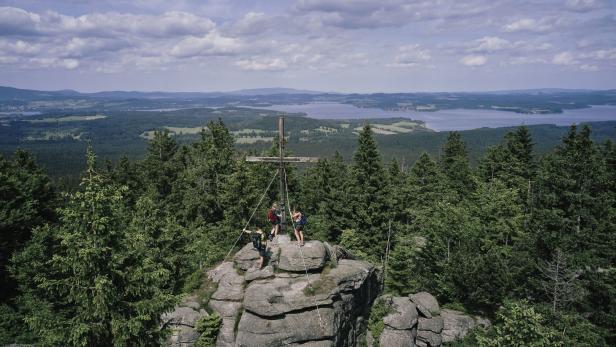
[447,120]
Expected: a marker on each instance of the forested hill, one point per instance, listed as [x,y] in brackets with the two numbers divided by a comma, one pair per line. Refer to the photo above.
[528,241]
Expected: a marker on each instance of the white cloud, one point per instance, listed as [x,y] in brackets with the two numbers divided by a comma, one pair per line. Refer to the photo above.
[584,5]
[490,44]
[15,21]
[19,47]
[360,14]
[68,64]
[564,58]
[252,23]
[530,24]
[262,64]
[523,61]
[80,47]
[602,54]
[589,68]
[410,55]
[474,60]
[209,45]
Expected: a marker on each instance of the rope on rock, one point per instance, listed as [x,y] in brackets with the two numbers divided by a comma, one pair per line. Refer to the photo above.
[253,214]
[316,304]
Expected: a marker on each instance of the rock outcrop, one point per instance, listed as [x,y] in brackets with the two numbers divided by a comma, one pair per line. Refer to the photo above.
[412,321]
[326,307]
[181,322]
[400,326]
[457,324]
[300,298]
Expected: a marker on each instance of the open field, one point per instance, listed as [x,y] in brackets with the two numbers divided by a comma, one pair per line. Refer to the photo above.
[401,127]
[66,119]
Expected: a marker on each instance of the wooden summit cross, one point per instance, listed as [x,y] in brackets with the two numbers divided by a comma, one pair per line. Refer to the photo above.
[281,160]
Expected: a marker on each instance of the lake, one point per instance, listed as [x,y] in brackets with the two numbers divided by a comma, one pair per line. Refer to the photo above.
[447,120]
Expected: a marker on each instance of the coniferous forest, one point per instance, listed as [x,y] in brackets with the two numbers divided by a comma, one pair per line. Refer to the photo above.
[528,241]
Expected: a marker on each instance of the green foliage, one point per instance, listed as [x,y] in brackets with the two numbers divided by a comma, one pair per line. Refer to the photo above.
[455,165]
[400,278]
[380,309]
[205,291]
[12,327]
[572,329]
[137,234]
[324,195]
[102,284]
[351,240]
[208,327]
[519,324]
[368,203]
[27,200]
[210,162]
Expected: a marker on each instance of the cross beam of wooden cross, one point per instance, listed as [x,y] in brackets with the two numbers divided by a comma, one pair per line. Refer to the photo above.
[281,160]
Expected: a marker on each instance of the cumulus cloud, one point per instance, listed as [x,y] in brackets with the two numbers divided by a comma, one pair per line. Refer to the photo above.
[358,14]
[19,48]
[533,25]
[523,61]
[252,23]
[15,21]
[410,55]
[262,64]
[586,61]
[490,44]
[474,60]
[589,67]
[602,54]
[208,45]
[69,64]
[564,58]
[306,36]
[584,5]
[108,40]
[80,47]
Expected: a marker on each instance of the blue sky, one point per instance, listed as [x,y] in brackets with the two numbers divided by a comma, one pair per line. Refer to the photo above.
[329,45]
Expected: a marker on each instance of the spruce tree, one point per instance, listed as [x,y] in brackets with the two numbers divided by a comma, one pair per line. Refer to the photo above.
[324,197]
[369,205]
[211,163]
[127,174]
[520,145]
[93,280]
[400,277]
[455,165]
[572,197]
[27,200]
[161,169]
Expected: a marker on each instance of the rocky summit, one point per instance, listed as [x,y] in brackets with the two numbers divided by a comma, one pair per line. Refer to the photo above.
[299,298]
[314,295]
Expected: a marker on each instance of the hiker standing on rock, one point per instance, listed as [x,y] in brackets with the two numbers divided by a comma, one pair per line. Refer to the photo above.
[299,219]
[273,215]
[259,242]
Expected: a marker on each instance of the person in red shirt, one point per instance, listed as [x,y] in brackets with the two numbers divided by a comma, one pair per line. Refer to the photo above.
[273,215]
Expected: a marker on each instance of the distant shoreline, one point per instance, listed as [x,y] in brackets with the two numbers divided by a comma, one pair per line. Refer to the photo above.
[450,119]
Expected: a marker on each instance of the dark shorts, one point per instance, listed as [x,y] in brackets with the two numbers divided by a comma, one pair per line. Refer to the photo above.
[263,251]
[274,222]
[299,227]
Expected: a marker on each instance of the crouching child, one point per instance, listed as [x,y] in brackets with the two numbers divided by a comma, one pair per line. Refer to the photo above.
[259,242]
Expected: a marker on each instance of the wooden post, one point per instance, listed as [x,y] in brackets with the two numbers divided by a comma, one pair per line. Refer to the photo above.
[281,160]
[281,173]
